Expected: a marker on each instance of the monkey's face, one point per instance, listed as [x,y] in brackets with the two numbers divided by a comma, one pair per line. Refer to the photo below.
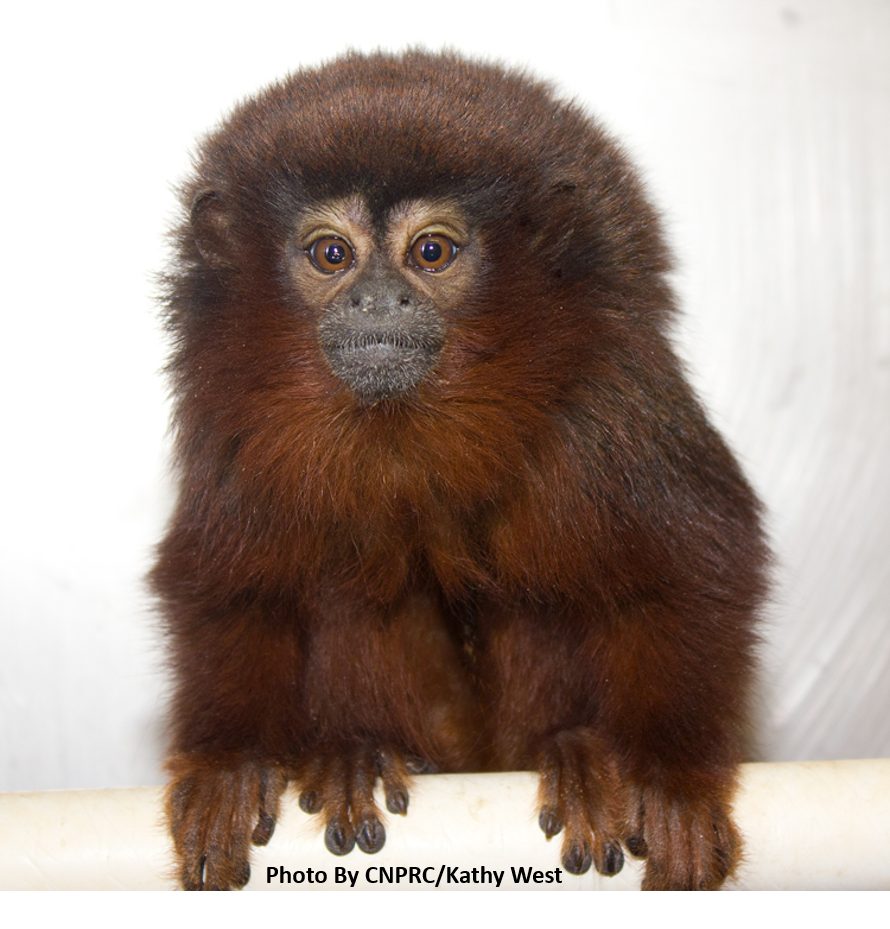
[383,290]
[387,260]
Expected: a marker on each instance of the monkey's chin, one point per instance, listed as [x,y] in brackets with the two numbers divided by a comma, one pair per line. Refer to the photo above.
[380,369]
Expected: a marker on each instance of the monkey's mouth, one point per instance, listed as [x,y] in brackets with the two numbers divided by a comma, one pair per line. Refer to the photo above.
[383,364]
[382,349]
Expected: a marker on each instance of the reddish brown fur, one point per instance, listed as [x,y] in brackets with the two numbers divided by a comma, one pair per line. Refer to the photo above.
[541,557]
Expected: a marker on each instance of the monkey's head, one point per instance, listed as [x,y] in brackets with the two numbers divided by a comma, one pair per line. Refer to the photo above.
[415,239]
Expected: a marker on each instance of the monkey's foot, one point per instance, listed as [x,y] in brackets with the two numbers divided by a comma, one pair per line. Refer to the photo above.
[341,783]
[689,843]
[581,793]
[215,813]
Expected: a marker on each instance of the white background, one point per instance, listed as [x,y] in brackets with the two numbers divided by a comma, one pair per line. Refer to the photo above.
[763,128]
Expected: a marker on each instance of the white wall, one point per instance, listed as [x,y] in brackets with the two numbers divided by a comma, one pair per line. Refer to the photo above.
[764,130]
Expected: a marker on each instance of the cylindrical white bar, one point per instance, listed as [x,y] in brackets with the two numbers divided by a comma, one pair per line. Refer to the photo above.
[818,825]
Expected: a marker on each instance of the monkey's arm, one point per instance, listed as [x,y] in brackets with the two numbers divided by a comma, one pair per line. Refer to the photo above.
[236,718]
[634,727]
[629,695]
[326,689]
[672,686]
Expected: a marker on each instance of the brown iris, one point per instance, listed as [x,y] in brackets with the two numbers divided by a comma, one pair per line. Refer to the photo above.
[432,252]
[331,254]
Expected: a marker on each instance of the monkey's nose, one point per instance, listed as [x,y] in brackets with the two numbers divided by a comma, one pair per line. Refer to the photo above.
[381,303]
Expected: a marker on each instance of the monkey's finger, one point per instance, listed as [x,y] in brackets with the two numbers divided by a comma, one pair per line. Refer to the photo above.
[370,835]
[393,769]
[272,784]
[339,837]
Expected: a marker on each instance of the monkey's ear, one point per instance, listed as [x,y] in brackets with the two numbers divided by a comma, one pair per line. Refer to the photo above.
[212,225]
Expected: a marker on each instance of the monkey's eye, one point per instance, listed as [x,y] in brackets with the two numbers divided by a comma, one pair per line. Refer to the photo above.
[432,252]
[331,254]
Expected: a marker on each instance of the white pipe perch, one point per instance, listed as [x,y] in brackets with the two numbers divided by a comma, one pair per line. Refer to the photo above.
[811,825]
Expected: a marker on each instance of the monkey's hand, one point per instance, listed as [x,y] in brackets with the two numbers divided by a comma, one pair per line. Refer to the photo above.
[689,842]
[215,813]
[580,792]
[341,784]
[685,831]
